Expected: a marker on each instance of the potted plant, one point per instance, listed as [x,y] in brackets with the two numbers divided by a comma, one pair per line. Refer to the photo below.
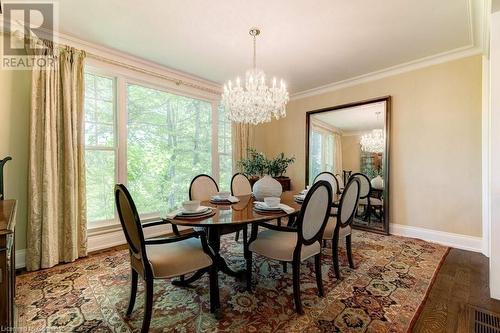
[277,169]
[255,166]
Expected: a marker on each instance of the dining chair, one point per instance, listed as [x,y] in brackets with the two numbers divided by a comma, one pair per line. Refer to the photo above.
[161,258]
[330,178]
[2,163]
[240,185]
[340,182]
[364,195]
[339,226]
[295,244]
[203,188]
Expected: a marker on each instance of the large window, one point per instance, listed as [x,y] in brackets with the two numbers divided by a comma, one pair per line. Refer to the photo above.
[152,140]
[100,146]
[321,152]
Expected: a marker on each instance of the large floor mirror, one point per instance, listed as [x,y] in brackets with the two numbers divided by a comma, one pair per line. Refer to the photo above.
[352,140]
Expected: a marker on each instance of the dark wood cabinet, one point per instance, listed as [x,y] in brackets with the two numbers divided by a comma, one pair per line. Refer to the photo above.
[7,264]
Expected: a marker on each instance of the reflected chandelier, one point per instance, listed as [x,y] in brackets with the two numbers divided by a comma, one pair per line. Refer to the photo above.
[373,142]
[255,102]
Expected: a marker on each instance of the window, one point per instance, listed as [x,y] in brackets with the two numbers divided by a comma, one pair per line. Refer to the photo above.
[321,151]
[168,143]
[100,147]
[151,139]
[225,151]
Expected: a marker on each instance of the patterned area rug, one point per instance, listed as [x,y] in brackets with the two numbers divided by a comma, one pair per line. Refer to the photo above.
[383,293]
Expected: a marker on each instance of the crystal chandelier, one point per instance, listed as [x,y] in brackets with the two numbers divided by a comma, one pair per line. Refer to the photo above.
[255,102]
[373,142]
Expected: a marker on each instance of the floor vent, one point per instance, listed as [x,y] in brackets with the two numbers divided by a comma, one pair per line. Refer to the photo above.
[483,321]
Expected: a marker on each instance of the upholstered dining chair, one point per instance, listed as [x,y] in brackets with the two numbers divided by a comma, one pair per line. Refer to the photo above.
[330,178]
[339,226]
[364,195]
[340,182]
[295,244]
[161,258]
[240,185]
[202,188]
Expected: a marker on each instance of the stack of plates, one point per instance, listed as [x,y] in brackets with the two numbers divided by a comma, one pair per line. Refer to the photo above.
[200,212]
[299,198]
[263,207]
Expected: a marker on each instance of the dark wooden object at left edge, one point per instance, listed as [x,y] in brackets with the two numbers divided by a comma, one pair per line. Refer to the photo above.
[7,263]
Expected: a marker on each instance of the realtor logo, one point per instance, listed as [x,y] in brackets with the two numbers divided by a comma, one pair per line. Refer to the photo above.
[28,34]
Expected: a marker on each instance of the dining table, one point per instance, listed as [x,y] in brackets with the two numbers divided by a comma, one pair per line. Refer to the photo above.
[232,216]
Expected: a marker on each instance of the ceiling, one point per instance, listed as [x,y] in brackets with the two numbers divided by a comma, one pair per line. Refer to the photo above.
[355,119]
[307,43]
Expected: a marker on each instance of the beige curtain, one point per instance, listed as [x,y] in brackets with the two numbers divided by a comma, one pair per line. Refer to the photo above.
[242,140]
[57,209]
[337,153]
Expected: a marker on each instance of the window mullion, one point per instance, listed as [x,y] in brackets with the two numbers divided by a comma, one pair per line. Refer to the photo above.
[121,129]
[215,142]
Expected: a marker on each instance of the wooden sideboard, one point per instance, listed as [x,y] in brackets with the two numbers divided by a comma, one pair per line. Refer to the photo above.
[7,264]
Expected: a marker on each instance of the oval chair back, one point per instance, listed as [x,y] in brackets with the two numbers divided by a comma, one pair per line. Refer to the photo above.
[240,185]
[349,202]
[202,188]
[131,224]
[366,187]
[330,178]
[314,212]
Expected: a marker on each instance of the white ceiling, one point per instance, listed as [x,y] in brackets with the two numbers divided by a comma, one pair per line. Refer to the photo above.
[355,119]
[308,43]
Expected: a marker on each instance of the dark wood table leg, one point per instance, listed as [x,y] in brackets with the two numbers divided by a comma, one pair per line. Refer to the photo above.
[214,242]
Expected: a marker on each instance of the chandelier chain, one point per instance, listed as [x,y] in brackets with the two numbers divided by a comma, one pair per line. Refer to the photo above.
[254,52]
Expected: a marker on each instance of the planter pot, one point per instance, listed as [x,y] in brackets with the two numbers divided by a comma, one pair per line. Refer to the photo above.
[285,182]
[267,186]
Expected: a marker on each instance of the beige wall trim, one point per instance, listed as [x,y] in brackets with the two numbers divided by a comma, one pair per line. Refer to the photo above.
[459,53]
[458,241]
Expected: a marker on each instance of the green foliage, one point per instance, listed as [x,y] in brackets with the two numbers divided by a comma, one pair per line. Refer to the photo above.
[257,165]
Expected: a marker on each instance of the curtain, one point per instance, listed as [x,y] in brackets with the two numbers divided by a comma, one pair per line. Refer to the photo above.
[337,154]
[242,140]
[57,209]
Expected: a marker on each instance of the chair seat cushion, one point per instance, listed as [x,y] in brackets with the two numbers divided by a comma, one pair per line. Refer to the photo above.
[174,259]
[279,245]
[373,202]
[330,229]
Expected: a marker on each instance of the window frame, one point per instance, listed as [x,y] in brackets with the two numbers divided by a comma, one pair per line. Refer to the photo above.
[121,80]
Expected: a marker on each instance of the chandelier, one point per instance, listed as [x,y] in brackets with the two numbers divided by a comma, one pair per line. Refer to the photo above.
[255,102]
[373,142]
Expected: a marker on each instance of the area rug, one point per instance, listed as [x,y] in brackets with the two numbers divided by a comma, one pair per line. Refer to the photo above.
[382,294]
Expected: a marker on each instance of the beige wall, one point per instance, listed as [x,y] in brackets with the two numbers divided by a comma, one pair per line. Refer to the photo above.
[435,170]
[14,123]
[351,152]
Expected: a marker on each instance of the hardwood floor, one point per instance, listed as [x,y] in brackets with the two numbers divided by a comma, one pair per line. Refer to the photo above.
[463,279]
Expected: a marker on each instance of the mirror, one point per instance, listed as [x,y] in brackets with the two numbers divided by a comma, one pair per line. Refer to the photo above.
[352,140]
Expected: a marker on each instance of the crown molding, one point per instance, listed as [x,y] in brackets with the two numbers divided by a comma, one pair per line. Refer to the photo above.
[459,53]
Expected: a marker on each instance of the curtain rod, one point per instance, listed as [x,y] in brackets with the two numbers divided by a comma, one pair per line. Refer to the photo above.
[178,82]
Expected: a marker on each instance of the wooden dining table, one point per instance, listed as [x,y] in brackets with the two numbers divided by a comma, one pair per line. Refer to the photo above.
[228,217]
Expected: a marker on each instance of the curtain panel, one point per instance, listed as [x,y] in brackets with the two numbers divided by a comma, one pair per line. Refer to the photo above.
[57,223]
[242,140]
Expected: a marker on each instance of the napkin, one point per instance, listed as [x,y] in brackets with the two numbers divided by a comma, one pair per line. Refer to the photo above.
[231,199]
[173,215]
[287,209]
[300,197]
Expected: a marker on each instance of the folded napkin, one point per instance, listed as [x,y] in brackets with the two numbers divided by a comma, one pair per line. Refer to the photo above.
[231,199]
[287,209]
[173,215]
[299,197]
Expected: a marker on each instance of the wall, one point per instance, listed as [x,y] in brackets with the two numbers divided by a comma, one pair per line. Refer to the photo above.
[15,91]
[435,171]
[351,152]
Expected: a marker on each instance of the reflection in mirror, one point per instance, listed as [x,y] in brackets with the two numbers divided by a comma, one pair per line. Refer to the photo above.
[350,141]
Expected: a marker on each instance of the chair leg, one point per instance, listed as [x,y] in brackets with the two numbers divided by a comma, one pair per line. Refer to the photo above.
[296,287]
[249,270]
[284,266]
[214,289]
[319,278]
[335,255]
[245,235]
[348,245]
[133,292]
[237,237]
[148,304]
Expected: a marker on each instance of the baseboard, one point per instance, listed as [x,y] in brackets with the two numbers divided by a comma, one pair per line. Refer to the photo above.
[20,258]
[458,241]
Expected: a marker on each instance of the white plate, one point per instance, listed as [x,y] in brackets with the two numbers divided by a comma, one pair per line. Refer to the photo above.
[200,211]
